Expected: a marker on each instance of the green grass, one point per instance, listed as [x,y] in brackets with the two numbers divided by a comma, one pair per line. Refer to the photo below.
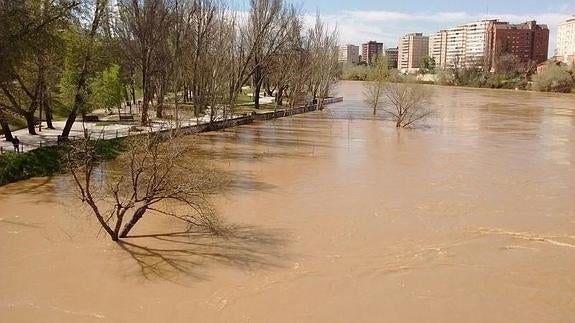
[139,93]
[244,98]
[48,161]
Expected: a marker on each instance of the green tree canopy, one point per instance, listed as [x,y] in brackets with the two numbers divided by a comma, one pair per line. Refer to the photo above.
[107,89]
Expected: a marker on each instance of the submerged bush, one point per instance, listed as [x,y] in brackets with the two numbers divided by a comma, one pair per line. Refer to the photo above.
[554,78]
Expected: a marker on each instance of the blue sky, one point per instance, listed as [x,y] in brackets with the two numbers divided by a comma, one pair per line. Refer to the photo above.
[386,21]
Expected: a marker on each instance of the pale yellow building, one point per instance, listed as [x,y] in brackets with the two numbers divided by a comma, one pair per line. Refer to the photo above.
[412,49]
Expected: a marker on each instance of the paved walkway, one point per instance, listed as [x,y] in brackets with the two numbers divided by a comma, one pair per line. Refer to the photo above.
[48,137]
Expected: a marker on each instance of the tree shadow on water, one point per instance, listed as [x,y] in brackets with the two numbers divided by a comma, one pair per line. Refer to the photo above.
[188,255]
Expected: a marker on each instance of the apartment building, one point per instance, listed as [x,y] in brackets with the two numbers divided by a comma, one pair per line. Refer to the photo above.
[349,54]
[460,46]
[392,56]
[370,51]
[565,51]
[438,48]
[412,49]
[528,42]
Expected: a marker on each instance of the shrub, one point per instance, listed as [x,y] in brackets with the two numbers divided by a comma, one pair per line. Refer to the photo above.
[47,161]
[356,73]
[554,78]
[44,161]
[444,77]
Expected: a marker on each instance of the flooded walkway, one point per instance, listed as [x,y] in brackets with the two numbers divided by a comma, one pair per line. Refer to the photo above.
[337,217]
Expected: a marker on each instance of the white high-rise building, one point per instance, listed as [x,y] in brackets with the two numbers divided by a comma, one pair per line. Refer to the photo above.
[566,41]
[438,47]
[455,46]
[461,46]
[475,42]
[349,54]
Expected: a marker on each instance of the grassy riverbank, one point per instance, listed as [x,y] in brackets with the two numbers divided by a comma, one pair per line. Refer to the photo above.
[47,161]
[553,78]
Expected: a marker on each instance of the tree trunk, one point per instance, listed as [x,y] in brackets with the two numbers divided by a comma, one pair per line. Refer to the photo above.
[126,95]
[82,79]
[5,127]
[160,105]
[279,96]
[268,89]
[128,227]
[69,122]
[30,123]
[48,109]
[186,98]
[146,99]
[257,90]
[257,85]
[48,113]
[133,92]
[319,104]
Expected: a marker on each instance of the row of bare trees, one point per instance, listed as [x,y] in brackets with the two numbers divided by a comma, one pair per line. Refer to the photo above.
[198,52]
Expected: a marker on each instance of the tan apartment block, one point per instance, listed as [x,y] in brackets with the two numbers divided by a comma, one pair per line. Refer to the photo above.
[412,49]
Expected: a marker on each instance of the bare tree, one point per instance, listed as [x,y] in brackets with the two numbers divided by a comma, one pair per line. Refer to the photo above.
[374,88]
[142,25]
[373,94]
[154,177]
[324,60]
[289,70]
[408,103]
[259,40]
[220,76]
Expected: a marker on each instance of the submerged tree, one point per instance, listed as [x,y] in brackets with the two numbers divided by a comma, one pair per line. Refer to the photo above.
[408,103]
[154,177]
[373,91]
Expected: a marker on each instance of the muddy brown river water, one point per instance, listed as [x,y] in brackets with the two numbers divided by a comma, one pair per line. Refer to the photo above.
[336,217]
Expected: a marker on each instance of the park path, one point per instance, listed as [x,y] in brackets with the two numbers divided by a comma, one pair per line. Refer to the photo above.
[111,130]
[49,137]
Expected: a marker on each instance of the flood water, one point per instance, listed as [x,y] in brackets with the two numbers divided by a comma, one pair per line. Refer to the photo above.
[337,217]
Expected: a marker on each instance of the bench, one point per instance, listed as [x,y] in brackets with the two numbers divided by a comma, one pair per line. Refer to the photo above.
[126,117]
[91,118]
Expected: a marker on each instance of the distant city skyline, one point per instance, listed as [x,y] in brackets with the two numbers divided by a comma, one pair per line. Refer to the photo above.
[359,21]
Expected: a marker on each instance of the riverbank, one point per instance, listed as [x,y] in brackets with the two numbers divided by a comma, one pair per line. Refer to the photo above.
[480,88]
[47,160]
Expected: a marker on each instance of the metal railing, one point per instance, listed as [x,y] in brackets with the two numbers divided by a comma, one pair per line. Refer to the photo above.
[189,125]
